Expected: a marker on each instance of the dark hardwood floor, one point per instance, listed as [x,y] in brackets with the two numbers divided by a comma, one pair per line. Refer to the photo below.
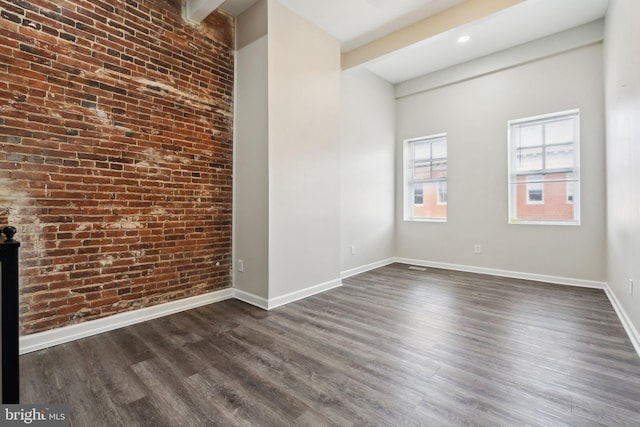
[392,347]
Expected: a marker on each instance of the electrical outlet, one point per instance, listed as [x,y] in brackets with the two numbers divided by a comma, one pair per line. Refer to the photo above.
[477,249]
[240,265]
[353,249]
[630,286]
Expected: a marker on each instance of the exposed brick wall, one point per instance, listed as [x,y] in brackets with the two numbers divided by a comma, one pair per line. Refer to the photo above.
[116,154]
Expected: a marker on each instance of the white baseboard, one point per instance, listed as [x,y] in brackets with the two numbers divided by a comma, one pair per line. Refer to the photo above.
[271,303]
[304,293]
[40,340]
[365,268]
[250,298]
[506,273]
[632,332]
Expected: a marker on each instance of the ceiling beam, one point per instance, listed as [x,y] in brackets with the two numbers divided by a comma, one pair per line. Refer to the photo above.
[454,17]
[197,10]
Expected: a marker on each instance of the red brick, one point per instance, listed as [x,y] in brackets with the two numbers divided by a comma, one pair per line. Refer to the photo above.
[93,152]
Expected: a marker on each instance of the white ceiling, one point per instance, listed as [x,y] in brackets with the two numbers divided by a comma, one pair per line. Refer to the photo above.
[357,22]
[524,22]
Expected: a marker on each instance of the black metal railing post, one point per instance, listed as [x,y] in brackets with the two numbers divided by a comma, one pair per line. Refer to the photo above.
[10,334]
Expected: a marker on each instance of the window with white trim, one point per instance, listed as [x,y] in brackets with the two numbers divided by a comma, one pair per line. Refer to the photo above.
[442,192]
[418,195]
[535,190]
[544,169]
[425,178]
[570,186]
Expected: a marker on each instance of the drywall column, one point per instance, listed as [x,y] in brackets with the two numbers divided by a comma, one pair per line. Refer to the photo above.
[304,145]
[286,198]
[251,180]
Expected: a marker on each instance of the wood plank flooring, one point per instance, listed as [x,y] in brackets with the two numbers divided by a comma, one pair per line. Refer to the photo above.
[392,347]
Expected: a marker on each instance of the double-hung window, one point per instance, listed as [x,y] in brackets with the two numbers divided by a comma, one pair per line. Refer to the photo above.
[544,169]
[425,178]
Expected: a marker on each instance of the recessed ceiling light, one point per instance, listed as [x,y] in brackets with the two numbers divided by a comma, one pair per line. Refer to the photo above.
[464,38]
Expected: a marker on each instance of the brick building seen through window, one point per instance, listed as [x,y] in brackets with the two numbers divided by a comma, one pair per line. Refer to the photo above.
[544,169]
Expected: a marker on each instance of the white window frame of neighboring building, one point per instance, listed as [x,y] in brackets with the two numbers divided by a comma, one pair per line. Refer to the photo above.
[415,196]
[574,172]
[535,182]
[570,192]
[409,179]
[440,193]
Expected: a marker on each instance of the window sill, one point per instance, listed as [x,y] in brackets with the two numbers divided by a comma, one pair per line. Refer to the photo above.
[425,219]
[533,222]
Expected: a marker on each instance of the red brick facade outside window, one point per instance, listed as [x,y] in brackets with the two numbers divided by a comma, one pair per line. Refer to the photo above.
[426,175]
[545,169]
[556,203]
[116,154]
[433,204]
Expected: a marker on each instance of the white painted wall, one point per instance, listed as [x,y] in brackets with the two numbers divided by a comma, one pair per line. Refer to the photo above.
[304,148]
[622,71]
[317,172]
[474,114]
[251,183]
[367,170]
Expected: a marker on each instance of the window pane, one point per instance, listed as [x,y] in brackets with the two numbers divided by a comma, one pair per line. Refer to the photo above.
[439,169]
[529,136]
[422,170]
[430,208]
[528,159]
[556,201]
[553,205]
[421,151]
[422,160]
[559,131]
[439,149]
[559,156]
